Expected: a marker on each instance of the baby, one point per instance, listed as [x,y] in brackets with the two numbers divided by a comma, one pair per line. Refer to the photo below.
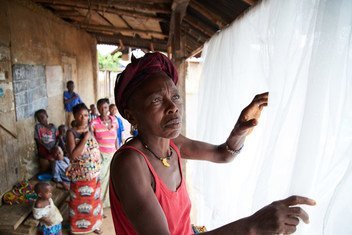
[61,138]
[45,210]
[60,166]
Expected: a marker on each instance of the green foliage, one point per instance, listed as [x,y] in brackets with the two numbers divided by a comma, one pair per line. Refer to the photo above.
[109,62]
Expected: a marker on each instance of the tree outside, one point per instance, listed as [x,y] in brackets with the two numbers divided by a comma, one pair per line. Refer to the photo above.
[109,62]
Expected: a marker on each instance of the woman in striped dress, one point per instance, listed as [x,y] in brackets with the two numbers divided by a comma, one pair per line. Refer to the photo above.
[104,129]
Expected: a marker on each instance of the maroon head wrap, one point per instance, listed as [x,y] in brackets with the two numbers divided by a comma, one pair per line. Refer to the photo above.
[136,72]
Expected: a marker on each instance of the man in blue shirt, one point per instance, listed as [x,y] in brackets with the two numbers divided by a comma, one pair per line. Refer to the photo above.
[113,112]
[70,100]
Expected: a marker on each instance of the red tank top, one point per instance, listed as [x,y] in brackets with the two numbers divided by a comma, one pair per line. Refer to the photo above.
[176,205]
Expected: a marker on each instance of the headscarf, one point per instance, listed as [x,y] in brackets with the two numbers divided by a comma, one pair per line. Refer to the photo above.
[138,71]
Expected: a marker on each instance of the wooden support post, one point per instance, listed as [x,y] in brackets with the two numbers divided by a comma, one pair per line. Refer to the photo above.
[122,47]
[169,52]
[177,32]
[176,45]
[179,8]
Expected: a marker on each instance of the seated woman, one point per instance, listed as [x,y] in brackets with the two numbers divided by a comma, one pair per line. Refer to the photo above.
[147,190]
[45,138]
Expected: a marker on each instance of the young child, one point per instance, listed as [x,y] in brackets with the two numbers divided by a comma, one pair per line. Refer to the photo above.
[45,138]
[73,123]
[45,210]
[93,113]
[61,139]
[60,166]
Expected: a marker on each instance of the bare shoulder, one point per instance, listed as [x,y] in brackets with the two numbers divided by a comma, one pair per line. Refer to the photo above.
[180,140]
[129,168]
[69,132]
[183,144]
[40,203]
[128,155]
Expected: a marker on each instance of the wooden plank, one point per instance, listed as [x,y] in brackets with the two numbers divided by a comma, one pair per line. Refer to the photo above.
[21,230]
[116,20]
[13,216]
[4,139]
[145,25]
[59,195]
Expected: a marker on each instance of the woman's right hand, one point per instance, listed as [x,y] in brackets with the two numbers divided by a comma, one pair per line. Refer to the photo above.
[280,217]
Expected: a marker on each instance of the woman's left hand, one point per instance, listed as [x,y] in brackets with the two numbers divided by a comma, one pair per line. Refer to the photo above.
[250,115]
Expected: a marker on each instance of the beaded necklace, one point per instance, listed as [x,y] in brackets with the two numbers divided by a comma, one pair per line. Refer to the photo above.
[164,160]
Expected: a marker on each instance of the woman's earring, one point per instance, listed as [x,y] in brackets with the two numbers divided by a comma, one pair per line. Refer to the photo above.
[134,130]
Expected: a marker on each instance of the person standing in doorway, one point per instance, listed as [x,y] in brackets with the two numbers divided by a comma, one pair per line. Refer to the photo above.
[71,99]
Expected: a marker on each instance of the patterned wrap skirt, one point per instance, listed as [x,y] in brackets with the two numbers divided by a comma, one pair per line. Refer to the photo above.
[85,206]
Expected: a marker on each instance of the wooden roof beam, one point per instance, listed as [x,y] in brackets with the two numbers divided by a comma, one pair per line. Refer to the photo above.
[68,13]
[158,45]
[145,8]
[217,19]
[125,5]
[190,34]
[192,45]
[115,30]
[196,33]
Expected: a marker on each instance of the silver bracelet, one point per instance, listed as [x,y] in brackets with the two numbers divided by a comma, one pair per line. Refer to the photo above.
[232,151]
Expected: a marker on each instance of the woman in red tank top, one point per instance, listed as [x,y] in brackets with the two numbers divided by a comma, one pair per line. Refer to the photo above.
[147,190]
